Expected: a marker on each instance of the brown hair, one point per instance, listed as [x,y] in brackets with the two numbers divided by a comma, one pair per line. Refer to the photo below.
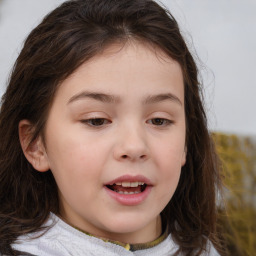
[70,35]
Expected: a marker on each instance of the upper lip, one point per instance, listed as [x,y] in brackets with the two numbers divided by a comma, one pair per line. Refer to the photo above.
[130,178]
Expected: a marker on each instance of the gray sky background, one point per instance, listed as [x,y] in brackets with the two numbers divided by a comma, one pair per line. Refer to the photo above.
[221,32]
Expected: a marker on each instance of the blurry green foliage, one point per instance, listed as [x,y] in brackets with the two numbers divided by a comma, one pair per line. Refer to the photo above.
[237,212]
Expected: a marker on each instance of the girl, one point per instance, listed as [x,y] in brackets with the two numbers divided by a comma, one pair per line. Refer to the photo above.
[104,143]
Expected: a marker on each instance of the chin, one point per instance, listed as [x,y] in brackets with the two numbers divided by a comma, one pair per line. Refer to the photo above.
[125,226]
[128,228]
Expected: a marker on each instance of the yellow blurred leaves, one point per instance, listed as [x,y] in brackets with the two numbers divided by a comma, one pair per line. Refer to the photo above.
[238,217]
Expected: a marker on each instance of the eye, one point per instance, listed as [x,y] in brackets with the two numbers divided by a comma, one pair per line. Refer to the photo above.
[96,122]
[160,121]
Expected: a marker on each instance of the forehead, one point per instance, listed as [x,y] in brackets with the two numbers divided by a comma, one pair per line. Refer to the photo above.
[129,66]
[132,48]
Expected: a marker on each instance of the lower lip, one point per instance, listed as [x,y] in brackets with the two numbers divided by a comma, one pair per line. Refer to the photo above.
[129,199]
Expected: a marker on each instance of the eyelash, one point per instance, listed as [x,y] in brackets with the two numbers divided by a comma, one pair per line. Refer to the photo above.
[163,121]
[103,121]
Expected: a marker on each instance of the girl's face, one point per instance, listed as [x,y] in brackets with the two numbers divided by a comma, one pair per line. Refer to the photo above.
[115,142]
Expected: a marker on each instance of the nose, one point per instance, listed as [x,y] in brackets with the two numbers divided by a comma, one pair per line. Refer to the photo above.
[131,145]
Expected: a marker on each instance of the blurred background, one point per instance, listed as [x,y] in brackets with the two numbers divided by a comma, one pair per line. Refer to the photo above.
[222,36]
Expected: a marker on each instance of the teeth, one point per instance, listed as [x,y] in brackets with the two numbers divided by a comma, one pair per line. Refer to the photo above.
[134,184]
[126,192]
[127,184]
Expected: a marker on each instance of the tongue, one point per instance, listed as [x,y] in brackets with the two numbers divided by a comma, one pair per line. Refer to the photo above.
[127,189]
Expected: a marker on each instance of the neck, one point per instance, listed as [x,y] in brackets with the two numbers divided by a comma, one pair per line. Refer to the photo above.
[145,235]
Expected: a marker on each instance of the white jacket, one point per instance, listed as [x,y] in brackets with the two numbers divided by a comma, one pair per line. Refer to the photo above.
[64,240]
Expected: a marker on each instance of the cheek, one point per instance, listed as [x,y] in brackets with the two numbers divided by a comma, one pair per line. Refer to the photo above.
[77,160]
[170,171]
[77,173]
[170,161]
[170,156]
[71,147]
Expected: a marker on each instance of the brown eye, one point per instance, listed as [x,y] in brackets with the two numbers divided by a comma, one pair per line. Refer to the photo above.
[160,121]
[96,121]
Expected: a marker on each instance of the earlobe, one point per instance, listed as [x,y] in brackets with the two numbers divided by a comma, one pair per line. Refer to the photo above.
[34,151]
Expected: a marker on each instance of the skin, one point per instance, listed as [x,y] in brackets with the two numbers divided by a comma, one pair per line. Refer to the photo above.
[136,133]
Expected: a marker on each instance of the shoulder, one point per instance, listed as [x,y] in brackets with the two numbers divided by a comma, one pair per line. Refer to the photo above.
[63,240]
[213,251]
[210,250]
[29,244]
[172,248]
[46,242]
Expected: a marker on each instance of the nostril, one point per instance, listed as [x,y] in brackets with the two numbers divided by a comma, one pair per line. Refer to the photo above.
[133,157]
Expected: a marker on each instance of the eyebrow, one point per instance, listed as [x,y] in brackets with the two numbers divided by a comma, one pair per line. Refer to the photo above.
[107,98]
[162,97]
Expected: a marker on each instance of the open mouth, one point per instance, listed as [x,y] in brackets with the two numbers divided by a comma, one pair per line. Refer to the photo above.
[128,188]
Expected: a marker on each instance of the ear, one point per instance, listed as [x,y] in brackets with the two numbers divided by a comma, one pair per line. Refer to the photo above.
[34,151]
[184,156]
